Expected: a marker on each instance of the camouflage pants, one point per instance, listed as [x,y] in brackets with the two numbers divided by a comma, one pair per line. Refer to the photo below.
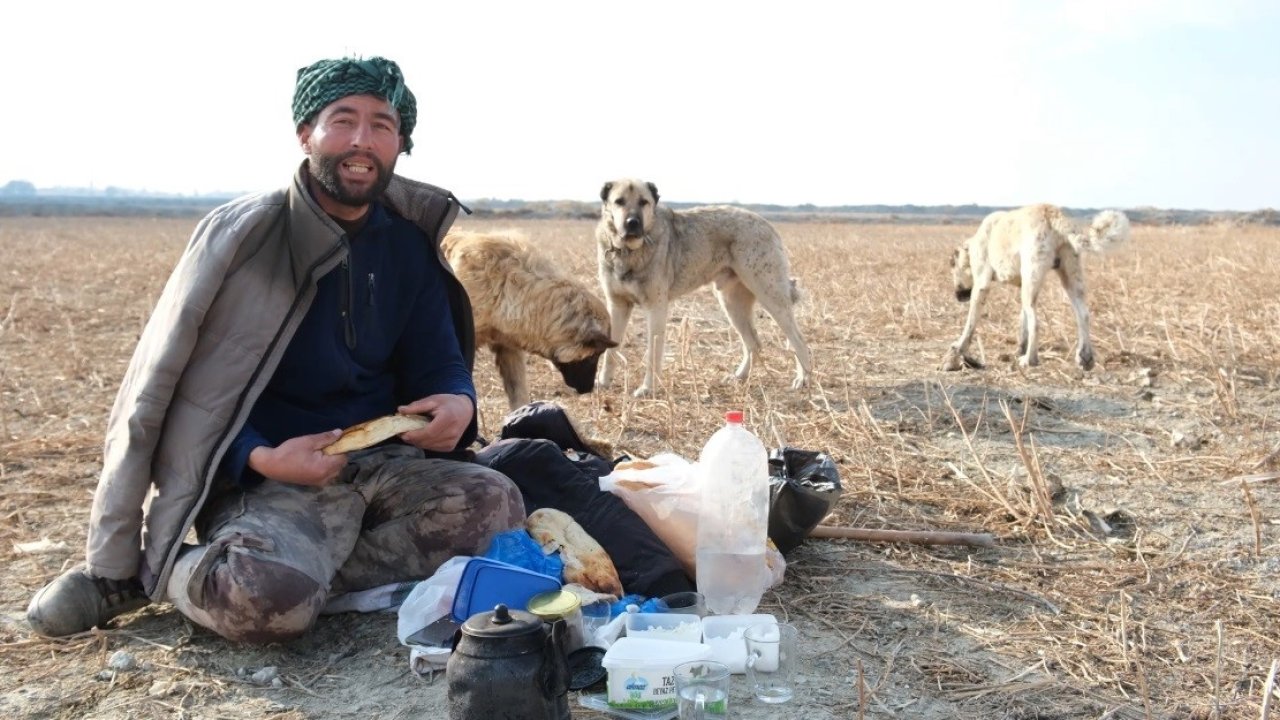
[271,556]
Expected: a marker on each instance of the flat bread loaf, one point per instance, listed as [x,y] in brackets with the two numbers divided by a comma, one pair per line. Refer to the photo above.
[634,465]
[372,432]
[585,562]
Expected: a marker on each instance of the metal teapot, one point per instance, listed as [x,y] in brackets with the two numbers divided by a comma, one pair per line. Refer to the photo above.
[506,665]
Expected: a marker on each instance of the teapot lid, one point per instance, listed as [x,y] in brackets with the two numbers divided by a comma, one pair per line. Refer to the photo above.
[502,622]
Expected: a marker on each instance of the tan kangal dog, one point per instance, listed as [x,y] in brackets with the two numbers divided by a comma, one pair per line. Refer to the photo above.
[649,255]
[1020,247]
[524,304]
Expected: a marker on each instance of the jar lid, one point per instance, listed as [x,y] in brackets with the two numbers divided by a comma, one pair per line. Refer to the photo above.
[554,604]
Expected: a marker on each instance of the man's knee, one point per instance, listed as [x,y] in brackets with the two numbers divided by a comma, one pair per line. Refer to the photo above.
[496,501]
[484,503]
[249,598]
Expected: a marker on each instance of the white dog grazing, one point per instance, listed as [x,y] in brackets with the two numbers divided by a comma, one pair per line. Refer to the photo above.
[1020,247]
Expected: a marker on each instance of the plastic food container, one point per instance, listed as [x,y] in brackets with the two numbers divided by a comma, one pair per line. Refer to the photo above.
[665,626]
[486,583]
[640,671]
[724,635]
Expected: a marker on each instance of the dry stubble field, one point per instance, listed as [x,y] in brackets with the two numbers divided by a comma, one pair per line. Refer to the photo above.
[1136,506]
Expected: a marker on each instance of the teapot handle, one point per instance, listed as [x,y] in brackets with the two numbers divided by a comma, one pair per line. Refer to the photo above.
[555,675]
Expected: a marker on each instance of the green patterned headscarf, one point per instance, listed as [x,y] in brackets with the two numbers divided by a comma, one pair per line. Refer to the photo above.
[325,81]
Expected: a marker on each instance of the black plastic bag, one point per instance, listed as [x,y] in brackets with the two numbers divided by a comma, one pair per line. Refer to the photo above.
[803,487]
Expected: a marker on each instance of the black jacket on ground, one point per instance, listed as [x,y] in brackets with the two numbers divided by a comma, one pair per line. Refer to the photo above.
[547,478]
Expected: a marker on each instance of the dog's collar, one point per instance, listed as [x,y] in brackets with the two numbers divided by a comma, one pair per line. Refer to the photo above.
[619,268]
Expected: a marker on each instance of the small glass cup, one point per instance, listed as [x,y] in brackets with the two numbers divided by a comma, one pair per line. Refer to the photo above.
[687,603]
[703,689]
[595,616]
[771,661]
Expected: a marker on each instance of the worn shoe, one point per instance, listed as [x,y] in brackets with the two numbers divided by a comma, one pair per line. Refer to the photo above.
[76,601]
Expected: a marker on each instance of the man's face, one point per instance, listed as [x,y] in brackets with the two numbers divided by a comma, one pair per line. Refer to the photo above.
[352,145]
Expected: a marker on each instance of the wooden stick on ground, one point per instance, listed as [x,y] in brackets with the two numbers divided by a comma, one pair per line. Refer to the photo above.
[919,537]
[1267,689]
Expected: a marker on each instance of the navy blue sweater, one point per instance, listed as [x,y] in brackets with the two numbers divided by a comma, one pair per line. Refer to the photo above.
[378,335]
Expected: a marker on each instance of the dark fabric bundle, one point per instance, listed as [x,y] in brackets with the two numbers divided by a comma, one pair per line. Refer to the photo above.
[532,454]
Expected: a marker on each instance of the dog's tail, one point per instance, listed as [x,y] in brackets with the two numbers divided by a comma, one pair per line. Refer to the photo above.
[1109,230]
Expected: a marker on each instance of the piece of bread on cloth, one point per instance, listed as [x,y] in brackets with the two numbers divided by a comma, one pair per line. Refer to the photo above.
[372,432]
[585,562]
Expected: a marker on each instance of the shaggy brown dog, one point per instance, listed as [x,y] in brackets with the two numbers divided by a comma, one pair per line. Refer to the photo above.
[523,304]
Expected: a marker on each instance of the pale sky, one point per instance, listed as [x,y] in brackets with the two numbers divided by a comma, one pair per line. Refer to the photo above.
[1093,103]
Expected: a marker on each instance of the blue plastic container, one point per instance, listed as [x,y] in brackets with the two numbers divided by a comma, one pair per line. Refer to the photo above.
[486,583]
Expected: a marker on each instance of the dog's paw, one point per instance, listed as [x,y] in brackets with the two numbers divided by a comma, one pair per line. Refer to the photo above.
[1084,358]
[643,391]
[958,361]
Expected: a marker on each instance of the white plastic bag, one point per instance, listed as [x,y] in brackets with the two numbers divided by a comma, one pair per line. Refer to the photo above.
[664,492]
[429,601]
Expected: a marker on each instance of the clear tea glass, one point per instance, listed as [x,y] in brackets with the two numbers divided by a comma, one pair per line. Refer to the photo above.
[703,689]
[771,661]
[689,603]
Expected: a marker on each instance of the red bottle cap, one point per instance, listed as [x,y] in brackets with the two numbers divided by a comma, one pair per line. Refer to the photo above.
[733,416]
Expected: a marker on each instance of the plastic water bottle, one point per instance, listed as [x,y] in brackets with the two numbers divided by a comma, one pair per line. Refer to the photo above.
[733,519]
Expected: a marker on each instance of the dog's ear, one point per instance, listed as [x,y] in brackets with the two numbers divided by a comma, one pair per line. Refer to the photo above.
[654,190]
[604,192]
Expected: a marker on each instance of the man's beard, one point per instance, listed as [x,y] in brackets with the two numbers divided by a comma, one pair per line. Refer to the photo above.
[324,168]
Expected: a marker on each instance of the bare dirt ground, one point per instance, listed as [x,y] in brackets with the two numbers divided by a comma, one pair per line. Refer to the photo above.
[1137,573]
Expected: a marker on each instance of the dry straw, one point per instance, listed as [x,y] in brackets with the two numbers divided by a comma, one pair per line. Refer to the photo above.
[1129,579]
